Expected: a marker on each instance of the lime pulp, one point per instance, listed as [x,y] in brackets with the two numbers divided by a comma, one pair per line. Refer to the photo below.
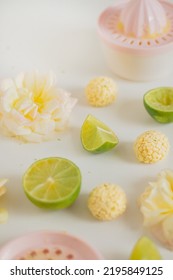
[145,249]
[52,183]
[97,137]
[159,104]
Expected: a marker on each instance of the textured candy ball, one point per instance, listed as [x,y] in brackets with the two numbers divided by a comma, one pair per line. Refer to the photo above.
[151,146]
[101,91]
[107,202]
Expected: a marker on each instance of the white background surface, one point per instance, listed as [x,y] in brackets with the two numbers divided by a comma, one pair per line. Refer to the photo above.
[61,35]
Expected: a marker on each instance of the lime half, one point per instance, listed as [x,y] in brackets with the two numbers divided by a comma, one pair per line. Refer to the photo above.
[96,136]
[145,249]
[159,104]
[52,183]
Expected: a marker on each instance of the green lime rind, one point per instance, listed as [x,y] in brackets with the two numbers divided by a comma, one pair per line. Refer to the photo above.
[62,193]
[145,249]
[158,103]
[61,204]
[97,137]
[104,148]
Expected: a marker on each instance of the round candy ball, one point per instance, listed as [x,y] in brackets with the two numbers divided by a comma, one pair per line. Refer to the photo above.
[101,91]
[107,202]
[151,146]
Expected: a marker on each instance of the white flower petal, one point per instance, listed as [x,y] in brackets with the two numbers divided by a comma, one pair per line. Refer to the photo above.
[27,107]
[7,100]
[66,104]
[35,83]
[3,215]
[19,80]
[168,175]
[50,81]
[3,182]
[23,103]
[43,126]
[29,81]
[156,203]
[31,112]
[17,117]
[167,227]
[2,190]
[6,84]
[14,127]
[35,137]
[51,106]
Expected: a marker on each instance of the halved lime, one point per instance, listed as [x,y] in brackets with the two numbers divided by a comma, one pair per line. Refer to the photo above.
[52,183]
[159,104]
[97,137]
[145,249]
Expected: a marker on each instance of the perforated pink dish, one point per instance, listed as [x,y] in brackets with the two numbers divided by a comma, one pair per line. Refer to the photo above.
[143,19]
[47,245]
[108,29]
[128,50]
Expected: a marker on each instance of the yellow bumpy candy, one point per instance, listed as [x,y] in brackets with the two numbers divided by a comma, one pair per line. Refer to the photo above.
[151,146]
[107,202]
[101,91]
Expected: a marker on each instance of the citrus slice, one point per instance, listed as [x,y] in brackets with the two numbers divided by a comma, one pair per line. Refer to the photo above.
[52,183]
[97,137]
[145,249]
[159,104]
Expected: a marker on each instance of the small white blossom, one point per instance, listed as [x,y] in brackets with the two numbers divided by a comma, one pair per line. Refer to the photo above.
[32,107]
[156,203]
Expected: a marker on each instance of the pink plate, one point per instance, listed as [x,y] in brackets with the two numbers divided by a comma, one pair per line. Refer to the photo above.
[48,245]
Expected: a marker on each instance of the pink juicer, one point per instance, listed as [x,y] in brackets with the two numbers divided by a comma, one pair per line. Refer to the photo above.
[137,37]
[48,245]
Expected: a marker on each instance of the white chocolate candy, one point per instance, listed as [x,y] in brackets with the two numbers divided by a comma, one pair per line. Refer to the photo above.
[101,91]
[107,202]
[151,146]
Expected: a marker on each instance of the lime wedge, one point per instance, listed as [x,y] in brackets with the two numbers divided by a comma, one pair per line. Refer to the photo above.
[52,183]
[97,137]
[159,104]
[145,249]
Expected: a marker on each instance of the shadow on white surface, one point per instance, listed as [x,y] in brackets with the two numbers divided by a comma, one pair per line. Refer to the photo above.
[16,200]
[67,50]
[80,210]
[79,93]
[124,151]
[132,111]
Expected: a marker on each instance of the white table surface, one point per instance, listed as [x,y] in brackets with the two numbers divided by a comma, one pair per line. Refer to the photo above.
[61,35]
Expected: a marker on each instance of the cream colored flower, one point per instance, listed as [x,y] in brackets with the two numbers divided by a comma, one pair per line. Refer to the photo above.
[3,212]
[156,203]
[167,228]
[3,215]
[2,187]
[32,107]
